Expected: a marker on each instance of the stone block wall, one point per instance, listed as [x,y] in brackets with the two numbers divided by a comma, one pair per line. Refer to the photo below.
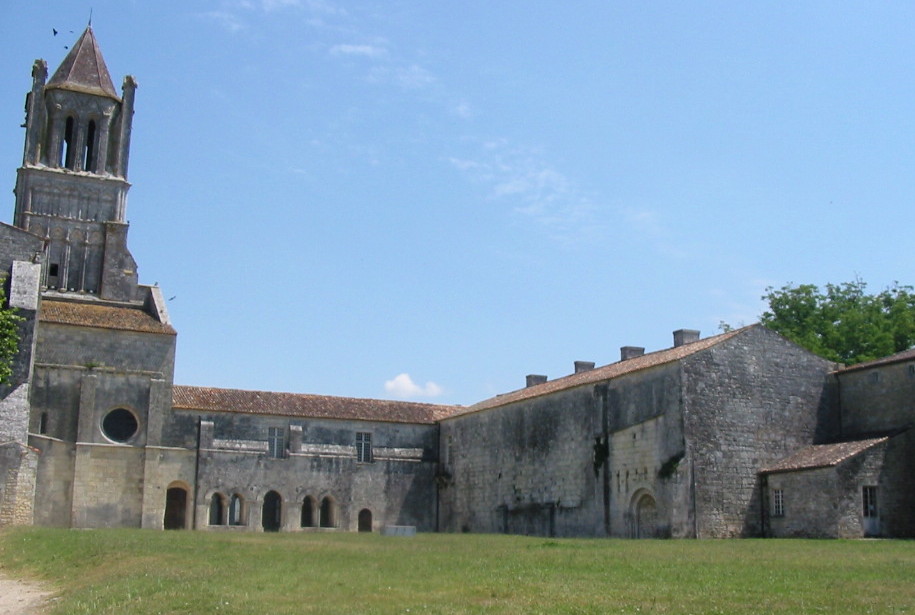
[107,486]
[525,468]
[54,488]
[18,465]
[748,402]
[319,461]
[878,399]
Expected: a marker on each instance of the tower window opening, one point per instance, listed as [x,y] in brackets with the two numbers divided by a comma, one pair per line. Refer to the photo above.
[66,158]
[89,154]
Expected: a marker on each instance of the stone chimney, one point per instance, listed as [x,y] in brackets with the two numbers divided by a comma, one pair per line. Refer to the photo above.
[535,379]
[583,366]
[631,352]
[685,336]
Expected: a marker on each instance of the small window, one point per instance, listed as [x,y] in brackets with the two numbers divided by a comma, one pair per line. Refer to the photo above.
[43,423]
[363,447]
[869,496]
[874,377]
[912,370]
[778,503]
[276,440]
[120,425]
[53,270]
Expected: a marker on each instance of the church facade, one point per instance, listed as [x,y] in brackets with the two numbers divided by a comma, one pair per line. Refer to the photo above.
[740,434]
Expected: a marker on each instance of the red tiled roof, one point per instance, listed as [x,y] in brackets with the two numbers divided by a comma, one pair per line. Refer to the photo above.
[905,355]
[124,318]
[824,455]
[606,372]
[206,399]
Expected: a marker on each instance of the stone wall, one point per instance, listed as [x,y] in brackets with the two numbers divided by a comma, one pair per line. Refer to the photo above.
[318,460]
[748,402]
[18,465]
[54,489]
[878,399]
[525,468]
[107,486]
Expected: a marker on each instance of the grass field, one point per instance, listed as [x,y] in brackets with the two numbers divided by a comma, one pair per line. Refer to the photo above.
[136,571]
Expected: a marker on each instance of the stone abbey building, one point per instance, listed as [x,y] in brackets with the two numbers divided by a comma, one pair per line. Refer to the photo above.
[740,434]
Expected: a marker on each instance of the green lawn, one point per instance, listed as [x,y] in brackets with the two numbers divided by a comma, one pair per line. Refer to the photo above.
[136,571]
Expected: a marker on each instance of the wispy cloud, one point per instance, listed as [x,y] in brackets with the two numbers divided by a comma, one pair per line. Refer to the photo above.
[538,191]
[403,386]
[368,51]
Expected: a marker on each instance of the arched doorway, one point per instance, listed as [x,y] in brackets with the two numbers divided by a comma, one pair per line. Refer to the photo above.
[309,513]
[365,520]
[645,516]
[175,508]
[328,513]
[273,508]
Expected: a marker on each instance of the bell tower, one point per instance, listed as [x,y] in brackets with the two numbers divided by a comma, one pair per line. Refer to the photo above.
[72,186]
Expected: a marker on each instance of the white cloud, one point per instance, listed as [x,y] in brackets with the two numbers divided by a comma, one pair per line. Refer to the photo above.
[368,51]
[403,386]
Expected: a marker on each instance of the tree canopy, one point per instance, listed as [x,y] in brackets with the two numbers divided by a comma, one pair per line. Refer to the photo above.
[843,322]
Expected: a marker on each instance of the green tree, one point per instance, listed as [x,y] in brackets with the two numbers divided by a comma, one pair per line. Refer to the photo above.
[9,336]
[842,322]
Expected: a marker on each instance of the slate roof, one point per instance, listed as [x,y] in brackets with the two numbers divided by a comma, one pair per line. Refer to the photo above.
[613,370]
[122,318]
[207,399]
[905,355]
[84,70]
[824,455]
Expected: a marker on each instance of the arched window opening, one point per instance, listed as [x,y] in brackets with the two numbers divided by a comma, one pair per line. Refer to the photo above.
[66,152]
[89,154]
[175,508]
[217,510]
[328,512]
[271,517]
[308,512]
[236,510]
[365,520]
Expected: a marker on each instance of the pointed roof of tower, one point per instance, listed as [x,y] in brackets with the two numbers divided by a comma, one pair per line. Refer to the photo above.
[84,70]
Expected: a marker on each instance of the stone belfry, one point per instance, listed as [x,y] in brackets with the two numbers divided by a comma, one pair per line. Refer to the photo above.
[72,186]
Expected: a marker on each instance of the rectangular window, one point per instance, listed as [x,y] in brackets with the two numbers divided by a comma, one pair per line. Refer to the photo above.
[276,442]
[870,501]
[363,447]
[778,503]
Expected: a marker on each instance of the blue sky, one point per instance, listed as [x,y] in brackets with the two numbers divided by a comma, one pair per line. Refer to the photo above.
[429,200]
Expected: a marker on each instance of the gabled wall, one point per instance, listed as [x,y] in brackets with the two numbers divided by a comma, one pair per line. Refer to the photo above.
[748,402]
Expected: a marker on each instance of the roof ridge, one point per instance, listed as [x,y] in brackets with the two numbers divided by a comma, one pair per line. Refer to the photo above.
[313,395]
[605,372]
